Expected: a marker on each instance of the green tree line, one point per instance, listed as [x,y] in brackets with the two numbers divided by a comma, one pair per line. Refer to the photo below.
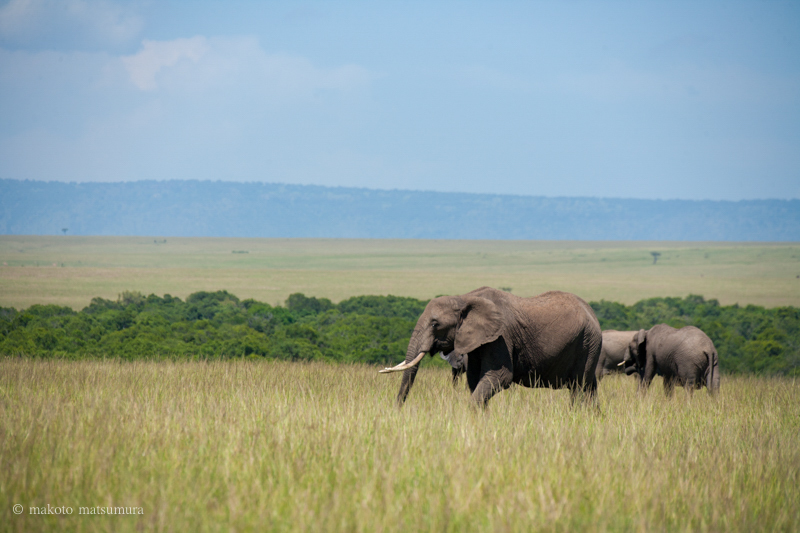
[365,329]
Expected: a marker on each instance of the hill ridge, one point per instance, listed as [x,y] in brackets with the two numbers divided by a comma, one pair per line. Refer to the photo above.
[192,208]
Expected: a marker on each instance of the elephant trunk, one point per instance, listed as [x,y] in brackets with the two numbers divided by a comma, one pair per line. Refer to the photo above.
[418,346]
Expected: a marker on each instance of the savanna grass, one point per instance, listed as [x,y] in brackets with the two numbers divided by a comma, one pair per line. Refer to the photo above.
[271,446]
[71,270]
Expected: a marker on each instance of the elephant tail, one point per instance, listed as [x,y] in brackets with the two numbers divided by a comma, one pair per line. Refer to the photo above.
[712,374]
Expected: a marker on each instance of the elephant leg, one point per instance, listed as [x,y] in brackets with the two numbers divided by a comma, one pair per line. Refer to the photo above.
[669,386]
[473,376]
[494,373]
[712,380]
[490,384]
[648,375]
[574,391]
[585,394]
[584,389]
[588,367]
[690,384]
[590,390]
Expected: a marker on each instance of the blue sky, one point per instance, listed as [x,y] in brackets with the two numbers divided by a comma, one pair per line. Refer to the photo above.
[657,100]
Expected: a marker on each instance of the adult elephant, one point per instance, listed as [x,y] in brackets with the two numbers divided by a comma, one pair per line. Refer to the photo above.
[684,356]
[613,354]
[551,340]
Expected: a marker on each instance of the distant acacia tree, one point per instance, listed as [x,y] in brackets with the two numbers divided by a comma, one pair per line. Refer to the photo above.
[655,255]
[65,230]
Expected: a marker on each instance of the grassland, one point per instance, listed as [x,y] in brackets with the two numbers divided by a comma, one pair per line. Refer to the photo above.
[68,270]
[267,446]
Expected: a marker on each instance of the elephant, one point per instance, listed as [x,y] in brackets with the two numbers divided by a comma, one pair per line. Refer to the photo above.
[458,362]
[685,356]
[550,340]
[613,352]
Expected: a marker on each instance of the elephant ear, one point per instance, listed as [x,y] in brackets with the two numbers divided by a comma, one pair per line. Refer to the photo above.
[641,348]
[480,323]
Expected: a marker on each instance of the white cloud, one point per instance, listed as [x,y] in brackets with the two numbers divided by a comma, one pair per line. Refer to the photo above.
[238,63]
[19,17]
[157,55]
[68,24]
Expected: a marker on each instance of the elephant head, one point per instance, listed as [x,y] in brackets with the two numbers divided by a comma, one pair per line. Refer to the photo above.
[459,324]
[636,357]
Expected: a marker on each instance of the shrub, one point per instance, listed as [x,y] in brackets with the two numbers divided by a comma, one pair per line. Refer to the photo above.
[367,329]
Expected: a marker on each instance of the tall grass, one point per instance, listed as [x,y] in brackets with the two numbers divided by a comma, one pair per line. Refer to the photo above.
[277,446]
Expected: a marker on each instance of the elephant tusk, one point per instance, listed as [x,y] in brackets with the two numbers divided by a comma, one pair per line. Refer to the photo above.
[404,365]
[622,363]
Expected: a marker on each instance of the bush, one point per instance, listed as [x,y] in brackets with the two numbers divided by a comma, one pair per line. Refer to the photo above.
[366,329]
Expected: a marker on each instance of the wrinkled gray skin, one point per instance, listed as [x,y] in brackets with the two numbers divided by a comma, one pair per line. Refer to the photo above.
[551,340]
[458,362]
[684,356]
[613,352]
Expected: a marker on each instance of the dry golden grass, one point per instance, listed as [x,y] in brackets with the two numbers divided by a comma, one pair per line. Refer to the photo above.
[263,446]
[745,273]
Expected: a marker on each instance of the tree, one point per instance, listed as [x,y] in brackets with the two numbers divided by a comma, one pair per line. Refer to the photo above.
[655,255]
[65,230]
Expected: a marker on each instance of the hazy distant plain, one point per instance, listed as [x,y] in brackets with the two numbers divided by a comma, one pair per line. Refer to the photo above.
[69,270]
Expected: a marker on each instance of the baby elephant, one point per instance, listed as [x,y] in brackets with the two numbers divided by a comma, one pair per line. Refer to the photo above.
[684,356]
[458,362]
[613,354]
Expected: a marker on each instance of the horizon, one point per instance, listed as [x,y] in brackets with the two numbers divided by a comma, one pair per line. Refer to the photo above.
[431,191]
